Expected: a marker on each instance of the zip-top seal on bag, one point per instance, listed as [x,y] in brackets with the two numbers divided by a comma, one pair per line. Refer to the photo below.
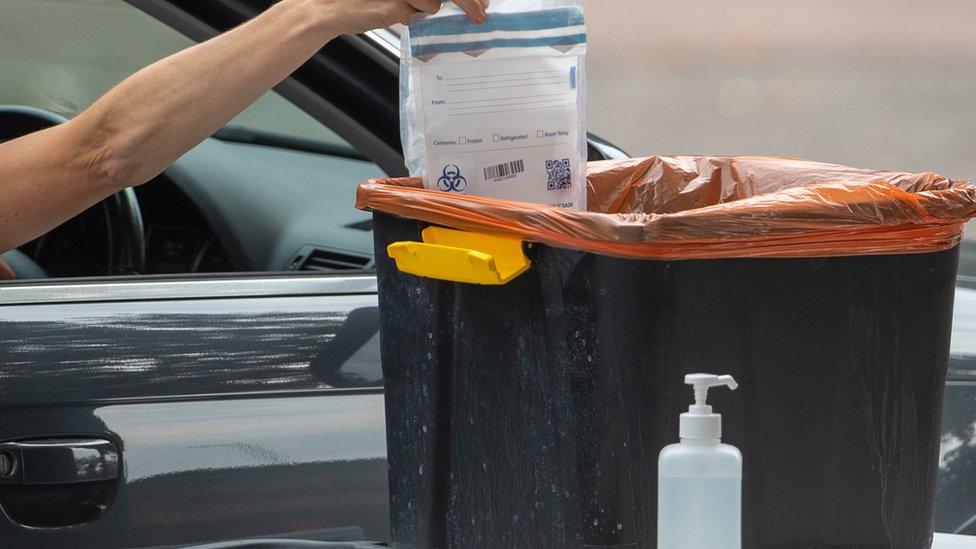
[498,109]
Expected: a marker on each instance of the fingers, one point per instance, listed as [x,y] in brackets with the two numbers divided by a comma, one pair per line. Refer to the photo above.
[474,8]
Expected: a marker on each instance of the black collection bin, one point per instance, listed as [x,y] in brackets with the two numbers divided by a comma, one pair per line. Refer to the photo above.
[532,414]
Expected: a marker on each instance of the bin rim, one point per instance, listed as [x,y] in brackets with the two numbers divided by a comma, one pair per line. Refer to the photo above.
[701,207]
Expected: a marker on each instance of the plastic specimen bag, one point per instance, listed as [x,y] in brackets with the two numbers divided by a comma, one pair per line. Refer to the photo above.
[498,109]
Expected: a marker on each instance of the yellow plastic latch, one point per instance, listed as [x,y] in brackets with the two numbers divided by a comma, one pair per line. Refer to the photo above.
[458,256]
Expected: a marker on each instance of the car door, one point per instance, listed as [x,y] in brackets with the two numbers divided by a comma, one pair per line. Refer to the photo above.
[179,409]
[191,410]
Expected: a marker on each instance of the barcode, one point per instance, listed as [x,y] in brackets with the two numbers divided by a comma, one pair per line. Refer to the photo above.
[493,173]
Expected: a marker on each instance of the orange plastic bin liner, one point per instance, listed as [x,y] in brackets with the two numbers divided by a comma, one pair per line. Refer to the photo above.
[698,207]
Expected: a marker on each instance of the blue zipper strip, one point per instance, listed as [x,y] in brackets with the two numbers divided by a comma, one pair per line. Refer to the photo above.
[527,21]
[436,49]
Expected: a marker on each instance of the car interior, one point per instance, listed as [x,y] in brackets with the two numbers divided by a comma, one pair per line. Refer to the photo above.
[271,192]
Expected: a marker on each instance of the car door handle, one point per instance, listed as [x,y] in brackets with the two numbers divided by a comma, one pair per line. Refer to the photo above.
[58,461]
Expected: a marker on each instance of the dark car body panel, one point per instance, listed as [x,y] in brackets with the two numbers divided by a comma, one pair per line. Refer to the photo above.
[956,491]
[193,473]
[83,352]
[236,417]
[956,511]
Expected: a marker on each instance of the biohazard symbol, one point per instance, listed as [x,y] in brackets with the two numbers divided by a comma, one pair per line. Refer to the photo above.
[451,180]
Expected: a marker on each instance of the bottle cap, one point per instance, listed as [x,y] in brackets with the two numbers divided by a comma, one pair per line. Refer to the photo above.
[699,422]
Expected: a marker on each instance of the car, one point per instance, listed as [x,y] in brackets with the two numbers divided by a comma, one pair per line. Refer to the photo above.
[196,360]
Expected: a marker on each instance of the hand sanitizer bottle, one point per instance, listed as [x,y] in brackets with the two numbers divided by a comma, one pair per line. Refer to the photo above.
[699,503]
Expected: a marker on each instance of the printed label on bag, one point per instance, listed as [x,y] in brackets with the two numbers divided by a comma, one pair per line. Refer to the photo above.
[504,128]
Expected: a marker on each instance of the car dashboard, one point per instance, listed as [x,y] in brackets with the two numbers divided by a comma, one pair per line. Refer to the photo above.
[274,209]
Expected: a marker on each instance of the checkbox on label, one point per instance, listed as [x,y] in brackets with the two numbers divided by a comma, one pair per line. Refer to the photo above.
[496,138]
[463,140]
[540,134]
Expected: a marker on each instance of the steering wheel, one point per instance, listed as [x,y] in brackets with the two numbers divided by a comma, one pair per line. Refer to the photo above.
[126,238]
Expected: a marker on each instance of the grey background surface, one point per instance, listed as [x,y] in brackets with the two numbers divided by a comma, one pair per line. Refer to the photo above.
[887,84]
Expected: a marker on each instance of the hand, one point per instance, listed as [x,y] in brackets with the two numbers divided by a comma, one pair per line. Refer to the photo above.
[6,273]
[474,8]
[358,16]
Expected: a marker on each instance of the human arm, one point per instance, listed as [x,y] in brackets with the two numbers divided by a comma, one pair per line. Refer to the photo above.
[152,118]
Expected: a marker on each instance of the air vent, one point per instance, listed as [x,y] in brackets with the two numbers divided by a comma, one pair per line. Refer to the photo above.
[321,260]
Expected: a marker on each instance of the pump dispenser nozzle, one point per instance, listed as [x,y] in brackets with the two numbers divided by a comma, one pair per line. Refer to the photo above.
[699,422]
[702,382]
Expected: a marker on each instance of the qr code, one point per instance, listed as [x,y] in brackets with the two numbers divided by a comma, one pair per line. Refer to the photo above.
[560,174]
